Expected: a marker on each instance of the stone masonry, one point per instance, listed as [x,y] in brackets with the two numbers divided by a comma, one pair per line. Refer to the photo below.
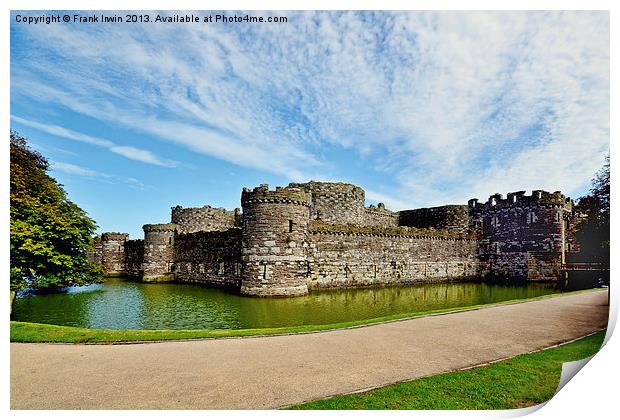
[320,235]
[205,218]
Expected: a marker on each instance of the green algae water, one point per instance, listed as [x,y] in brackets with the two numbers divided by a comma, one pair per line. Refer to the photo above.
[120,304]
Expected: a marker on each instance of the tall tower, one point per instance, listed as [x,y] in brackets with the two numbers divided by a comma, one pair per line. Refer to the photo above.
[158,252]
[523,236]
[113,253]
[274,241]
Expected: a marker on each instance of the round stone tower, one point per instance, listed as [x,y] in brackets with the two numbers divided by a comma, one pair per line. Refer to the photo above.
[158,252]
[274,241]
[335,202]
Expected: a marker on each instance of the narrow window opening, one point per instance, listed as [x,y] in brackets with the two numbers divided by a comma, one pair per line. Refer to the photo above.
[531,217]
[290,226]
[169,241]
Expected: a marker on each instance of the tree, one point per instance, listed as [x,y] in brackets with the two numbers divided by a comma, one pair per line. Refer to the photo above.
[593,232]
[50,235]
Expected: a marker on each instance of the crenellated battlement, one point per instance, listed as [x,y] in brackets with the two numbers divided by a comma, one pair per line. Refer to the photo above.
[283,195]
[161,227]
[380,216]
[114,236]
[380,209]
[519,199]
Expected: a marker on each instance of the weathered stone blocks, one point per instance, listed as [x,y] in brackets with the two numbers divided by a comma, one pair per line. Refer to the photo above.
[158,252]
[272,220]
[320,235]
[335,202]
[203,219]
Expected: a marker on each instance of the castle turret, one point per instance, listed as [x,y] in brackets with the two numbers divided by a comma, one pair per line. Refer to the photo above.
[202,219]
[158,252]
[335,202]
[274,241]
[112,249]
[523,236]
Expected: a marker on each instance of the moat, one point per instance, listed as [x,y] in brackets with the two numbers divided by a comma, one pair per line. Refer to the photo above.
[121,304]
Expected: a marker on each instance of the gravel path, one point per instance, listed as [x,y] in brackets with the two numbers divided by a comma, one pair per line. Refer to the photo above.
[270,372]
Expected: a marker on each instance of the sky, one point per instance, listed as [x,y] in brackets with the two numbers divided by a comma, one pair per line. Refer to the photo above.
[418,108]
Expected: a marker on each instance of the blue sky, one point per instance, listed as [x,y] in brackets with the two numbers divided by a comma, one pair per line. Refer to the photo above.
[418,108]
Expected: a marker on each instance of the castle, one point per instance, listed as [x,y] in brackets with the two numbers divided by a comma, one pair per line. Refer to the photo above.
[318,235]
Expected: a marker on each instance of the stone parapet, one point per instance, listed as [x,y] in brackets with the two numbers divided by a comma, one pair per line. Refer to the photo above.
[203,219]
[160,227]
[519,199]
[114,236]
[281,195]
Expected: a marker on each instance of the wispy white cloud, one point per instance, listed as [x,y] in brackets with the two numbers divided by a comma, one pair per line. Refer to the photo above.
[82,171]
[73,169]
[442,106]
[129,152]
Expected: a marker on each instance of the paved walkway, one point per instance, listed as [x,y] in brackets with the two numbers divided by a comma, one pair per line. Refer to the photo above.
[269,372]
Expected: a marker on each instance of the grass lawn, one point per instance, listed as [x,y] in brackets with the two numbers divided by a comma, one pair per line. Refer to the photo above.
[518,382]
[45,333]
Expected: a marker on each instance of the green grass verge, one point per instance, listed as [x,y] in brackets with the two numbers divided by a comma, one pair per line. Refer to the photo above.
[518,382]
[47,333]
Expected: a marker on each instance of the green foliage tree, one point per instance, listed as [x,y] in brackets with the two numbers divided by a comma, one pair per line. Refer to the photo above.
[50,235]
[593,232]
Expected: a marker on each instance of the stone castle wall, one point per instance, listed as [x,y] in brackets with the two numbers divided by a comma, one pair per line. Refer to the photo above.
[320,235]
[134,257]
[205,218]
[380,216]
[210,258]
[340,259]
[452,217]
